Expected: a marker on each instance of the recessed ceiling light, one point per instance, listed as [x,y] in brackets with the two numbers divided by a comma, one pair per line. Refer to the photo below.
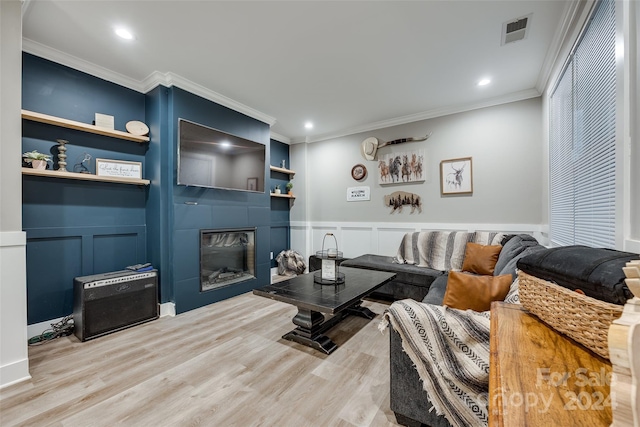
[225,144]
[484,82]
[124,33]
[308,125]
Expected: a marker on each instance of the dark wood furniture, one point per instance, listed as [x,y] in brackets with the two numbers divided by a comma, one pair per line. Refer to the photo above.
[314,301]
[539,377]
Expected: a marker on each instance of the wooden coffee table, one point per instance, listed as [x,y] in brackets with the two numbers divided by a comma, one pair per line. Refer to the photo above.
[313,299]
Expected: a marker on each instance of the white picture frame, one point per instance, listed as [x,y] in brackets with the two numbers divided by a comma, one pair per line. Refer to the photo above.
[119,168]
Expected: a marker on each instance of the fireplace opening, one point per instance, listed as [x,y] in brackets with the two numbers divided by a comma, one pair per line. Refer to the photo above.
[226,257]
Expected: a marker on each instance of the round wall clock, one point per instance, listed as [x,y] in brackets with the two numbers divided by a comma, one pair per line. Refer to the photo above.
[358,172]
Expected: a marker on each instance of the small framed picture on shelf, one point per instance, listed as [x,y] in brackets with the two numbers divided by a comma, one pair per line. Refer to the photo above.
[252,184]
[118,168]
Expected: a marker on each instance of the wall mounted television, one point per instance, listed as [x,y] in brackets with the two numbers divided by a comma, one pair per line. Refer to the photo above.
[211,158]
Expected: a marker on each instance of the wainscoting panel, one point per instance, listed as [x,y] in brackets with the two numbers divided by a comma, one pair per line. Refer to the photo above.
[55,256]
[115,252]
[317,236]
[52,263]
[355,239]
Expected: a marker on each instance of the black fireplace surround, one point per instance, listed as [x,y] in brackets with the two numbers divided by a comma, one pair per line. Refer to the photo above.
[227,256]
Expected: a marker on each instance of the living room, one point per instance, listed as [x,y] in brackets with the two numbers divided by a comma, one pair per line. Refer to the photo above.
[506,137]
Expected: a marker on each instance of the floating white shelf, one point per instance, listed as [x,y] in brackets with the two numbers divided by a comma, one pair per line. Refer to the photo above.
[83,176]
[71,124]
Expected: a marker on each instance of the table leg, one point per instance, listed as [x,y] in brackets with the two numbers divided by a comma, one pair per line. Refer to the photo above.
[309,331]
[358,310]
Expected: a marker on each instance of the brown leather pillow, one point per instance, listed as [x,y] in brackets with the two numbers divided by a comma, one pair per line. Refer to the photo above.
[481,259]
[467,291]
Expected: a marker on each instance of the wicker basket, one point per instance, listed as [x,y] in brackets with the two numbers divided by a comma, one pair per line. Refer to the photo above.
[578,316]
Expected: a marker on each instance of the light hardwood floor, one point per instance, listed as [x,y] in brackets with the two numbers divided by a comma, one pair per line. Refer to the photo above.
[221,365]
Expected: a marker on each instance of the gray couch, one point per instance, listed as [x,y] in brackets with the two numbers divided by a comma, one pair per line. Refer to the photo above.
[409,401]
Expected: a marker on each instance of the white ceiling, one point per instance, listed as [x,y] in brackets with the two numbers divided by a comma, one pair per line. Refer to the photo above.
[347,66]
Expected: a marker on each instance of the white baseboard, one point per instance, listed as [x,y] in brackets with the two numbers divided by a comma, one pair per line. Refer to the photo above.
[14,373]
[168,309]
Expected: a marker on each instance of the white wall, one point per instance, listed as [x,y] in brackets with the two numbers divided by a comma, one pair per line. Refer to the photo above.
[505,143]
[14,363]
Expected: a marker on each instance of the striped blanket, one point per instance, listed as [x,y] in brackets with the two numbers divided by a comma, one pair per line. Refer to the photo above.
[441,250]
[450,349]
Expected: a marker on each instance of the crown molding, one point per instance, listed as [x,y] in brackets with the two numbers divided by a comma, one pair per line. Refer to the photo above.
[430,114]
[171,79]
[151,81]
[71,61]
[281,138]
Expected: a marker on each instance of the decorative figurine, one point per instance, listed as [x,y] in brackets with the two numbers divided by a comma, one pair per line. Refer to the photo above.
[81,166]
[62,155]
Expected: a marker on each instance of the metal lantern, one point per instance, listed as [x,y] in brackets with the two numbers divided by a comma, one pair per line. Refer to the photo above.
[329,273]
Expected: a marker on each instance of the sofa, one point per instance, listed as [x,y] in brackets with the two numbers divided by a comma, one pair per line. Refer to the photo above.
[420,251]
[417,281]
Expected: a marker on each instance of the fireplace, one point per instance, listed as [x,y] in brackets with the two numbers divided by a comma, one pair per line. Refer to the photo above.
[226,257]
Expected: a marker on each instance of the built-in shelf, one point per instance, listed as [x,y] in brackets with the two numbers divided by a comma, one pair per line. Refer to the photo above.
[83,176]
[286,196]
[71,124]
[282,170]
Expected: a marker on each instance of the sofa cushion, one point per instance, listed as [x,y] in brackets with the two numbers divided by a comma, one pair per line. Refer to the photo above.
[410,282]
[480,259]
[513,246]
[468,291]
[511,266]
[436,290]
[404,273]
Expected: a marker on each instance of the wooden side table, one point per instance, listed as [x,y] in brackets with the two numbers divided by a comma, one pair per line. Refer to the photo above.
[539,377]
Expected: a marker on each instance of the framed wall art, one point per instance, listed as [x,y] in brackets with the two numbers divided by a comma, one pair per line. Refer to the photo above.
[401,167]
[252,184]
[456,176]
[118,168]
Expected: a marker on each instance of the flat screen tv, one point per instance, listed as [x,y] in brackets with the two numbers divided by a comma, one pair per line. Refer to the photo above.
[211,158]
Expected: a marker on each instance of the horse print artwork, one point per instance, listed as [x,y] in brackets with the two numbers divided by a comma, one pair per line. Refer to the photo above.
[401,168]
[397,200]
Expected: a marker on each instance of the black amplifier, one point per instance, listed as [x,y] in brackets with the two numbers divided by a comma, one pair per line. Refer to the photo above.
[109,302]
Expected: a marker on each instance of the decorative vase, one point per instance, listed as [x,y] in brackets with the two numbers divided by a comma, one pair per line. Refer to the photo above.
[276,191]
[39,164]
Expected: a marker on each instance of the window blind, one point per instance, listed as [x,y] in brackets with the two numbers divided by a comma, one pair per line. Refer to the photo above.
[582,139]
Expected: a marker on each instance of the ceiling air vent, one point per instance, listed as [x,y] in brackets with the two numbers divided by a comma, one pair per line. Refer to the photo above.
[515,30]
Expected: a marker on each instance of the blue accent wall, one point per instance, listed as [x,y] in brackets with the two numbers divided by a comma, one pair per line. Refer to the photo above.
[280,207]
[159,212]
[196,208]
[77,228]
